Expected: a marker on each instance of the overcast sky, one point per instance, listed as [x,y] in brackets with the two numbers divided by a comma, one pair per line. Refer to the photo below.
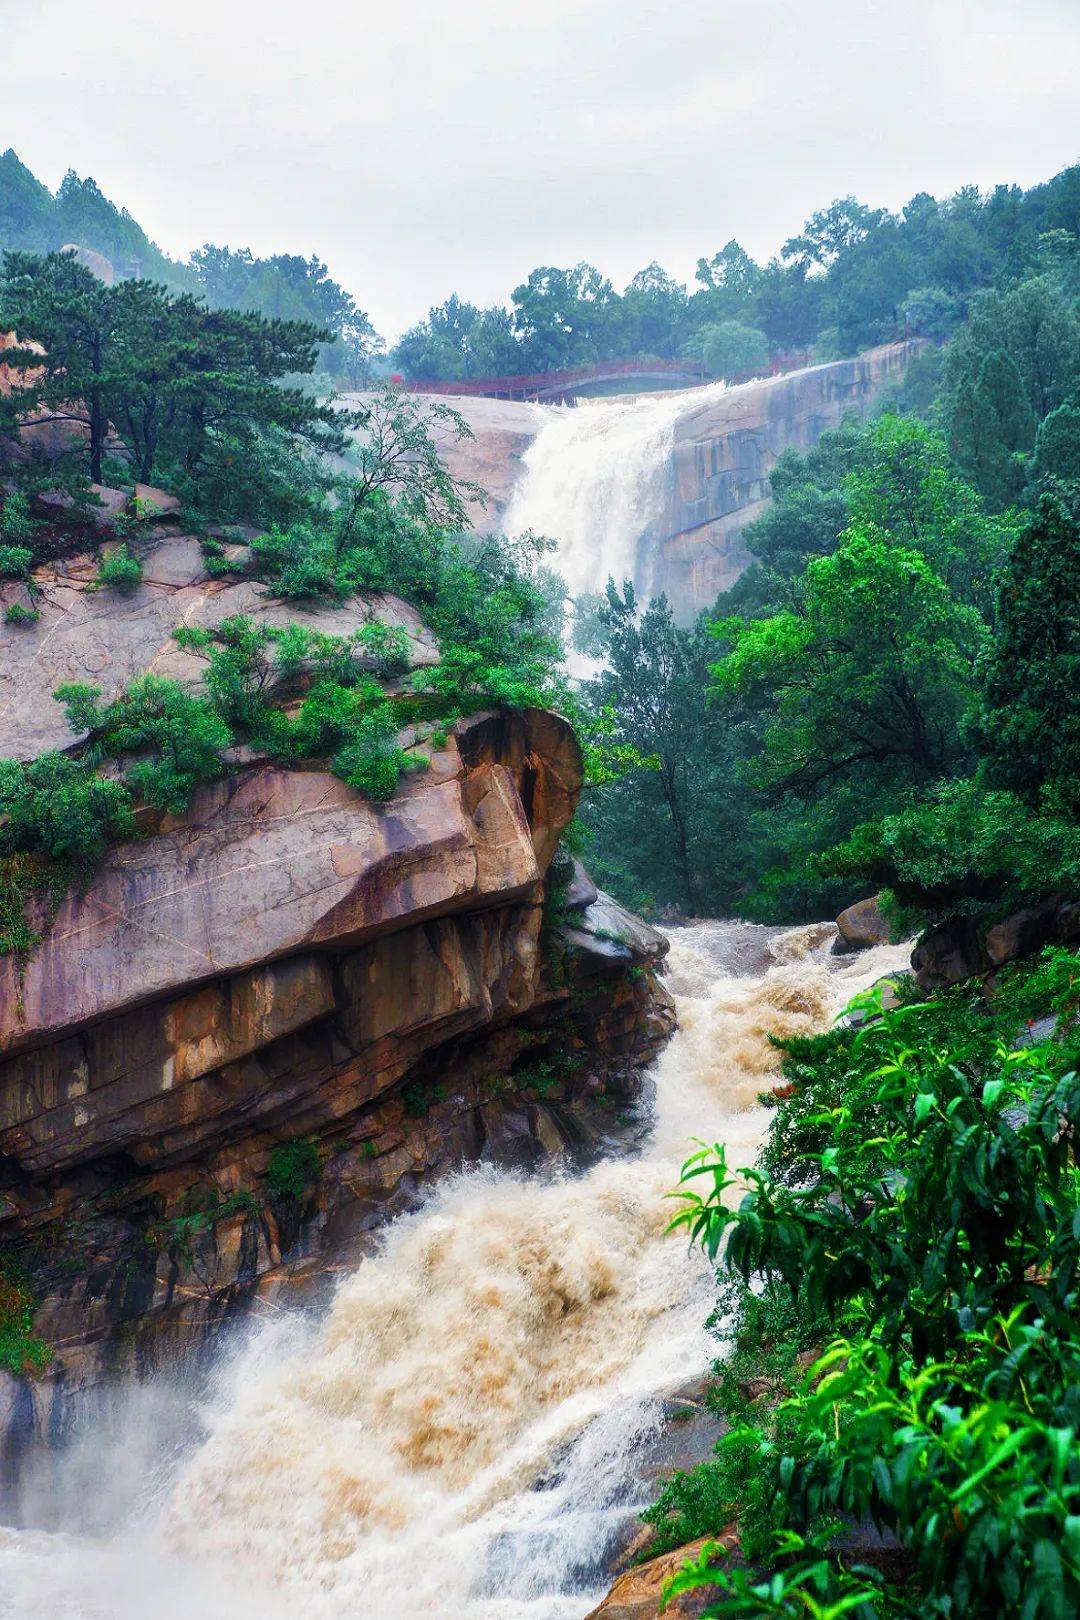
[425,148]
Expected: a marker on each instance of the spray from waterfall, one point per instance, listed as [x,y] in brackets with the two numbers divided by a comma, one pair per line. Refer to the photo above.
[596,479]
[458,1436]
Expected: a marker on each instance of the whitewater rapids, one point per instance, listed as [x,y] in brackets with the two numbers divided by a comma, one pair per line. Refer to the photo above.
[456,1437]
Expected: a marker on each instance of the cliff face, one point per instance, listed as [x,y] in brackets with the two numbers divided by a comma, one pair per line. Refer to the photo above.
[285,964]
[725,445]
[723,454]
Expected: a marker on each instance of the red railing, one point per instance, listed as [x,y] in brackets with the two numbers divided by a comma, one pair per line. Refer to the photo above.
[555,382]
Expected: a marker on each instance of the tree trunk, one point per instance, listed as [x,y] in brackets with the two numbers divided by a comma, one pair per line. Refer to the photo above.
[97,436]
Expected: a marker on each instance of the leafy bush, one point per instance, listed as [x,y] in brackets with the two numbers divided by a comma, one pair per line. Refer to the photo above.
[15,561]
[917,1207]
[120,570]
[16,614]
[22,1351]
[59,807]
[963,848]
[419,1098]
[186,735]
[293,1167]
[371,762]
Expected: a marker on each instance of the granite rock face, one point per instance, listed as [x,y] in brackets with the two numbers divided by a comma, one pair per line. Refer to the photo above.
[724,452]
[107,638]
[717,479]
[286,962]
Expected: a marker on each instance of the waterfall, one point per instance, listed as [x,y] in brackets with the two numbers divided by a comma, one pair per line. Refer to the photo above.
[456,1438]
[596,479]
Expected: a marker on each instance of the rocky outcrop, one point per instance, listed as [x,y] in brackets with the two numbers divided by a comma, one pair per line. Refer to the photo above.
[638,1594]
[106,638]
[861,926]
[965,947]
[285,964]
[723,453]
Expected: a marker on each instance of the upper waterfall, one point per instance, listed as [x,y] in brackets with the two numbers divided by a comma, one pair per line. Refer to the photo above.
[595,480]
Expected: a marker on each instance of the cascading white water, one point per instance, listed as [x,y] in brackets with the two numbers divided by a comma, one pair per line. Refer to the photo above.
[595,479]
[457,1437]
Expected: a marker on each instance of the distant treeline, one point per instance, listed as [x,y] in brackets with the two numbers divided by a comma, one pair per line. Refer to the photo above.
[283,287]
[854,276]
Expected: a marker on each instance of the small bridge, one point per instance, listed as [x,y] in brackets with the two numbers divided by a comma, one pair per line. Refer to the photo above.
[555,387]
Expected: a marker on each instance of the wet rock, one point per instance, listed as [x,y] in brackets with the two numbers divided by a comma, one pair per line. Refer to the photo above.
[581,891]
[156,502]
[1023,933]
[638,1594]
[284,961]
[861,926]
[961,949]
[947,955]
[607,930]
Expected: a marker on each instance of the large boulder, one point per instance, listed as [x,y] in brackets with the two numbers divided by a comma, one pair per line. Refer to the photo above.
[964,947]
[638,1594]
[861,926]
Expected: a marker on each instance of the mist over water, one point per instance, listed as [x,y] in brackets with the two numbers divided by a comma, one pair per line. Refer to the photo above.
[596,477]
[458,1435]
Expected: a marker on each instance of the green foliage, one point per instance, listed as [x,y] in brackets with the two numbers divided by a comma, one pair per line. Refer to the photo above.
[119,570]
[1028,725]
[22,1351]
[419,1097]
[300,290]
[663,770]
[916,1213]
[184,735]
[59,807]
[871,668]
[24,880]
[192,389]
[203,1207]
[15,613]
[963,849]
[732,351]
[371,762]
[293,1168]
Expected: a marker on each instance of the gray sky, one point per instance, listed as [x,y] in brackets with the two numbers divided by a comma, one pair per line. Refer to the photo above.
[423,148]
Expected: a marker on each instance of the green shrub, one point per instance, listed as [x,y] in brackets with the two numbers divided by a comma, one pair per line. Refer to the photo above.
[371,761]
[915,1216]
[119,570]
[419,1098]
[963,848]
[59,807]
[15,561]
[16,614]
[293,1168]
[22,1351]
[186,735]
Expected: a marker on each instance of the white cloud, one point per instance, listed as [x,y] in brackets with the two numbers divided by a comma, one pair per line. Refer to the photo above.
[424,148]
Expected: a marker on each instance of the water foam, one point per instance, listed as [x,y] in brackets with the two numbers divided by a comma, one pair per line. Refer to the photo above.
[457,1437]
[595,478]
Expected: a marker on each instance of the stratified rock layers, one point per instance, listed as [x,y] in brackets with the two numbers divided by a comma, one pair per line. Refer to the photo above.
[287,962]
